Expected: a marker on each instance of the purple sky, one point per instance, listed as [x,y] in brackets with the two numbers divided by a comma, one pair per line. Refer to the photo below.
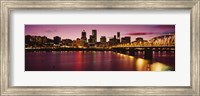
[74,31]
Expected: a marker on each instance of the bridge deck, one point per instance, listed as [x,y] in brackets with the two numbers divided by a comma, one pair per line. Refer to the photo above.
[144,46]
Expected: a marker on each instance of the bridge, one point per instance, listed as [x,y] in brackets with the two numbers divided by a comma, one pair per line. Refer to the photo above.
[162,43]
[147,50]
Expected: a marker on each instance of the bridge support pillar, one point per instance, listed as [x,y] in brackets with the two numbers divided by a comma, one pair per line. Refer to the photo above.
[148,53]
[123,51]
[132,52]
[115,50]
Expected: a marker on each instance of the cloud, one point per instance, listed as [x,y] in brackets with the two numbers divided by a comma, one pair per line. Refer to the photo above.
[139,33]
[51,30]
[148,33]
[165,26]
[168,32]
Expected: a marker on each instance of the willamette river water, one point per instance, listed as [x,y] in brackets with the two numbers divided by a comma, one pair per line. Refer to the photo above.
[97,61]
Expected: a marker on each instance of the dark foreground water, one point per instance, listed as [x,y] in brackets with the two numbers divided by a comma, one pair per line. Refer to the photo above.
[97,61]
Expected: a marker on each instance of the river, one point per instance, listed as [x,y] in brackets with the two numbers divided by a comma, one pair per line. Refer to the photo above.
[97,61]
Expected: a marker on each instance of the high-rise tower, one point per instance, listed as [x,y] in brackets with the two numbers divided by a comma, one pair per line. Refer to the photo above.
[83,36]
[118,35]
[94,34]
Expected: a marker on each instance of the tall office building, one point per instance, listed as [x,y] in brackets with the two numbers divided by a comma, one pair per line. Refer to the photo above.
[115,37]
[118,35]
[94,34]
[83,36]
[91,40]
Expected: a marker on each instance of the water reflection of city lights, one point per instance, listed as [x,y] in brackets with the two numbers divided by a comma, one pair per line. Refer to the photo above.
[131,57]
[142,64]
[159,67]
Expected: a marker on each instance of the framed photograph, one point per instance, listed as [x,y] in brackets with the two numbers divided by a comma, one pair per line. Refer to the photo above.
[142,48]
[98,47]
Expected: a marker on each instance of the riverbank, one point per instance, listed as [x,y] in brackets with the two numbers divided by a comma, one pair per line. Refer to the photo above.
[69,49]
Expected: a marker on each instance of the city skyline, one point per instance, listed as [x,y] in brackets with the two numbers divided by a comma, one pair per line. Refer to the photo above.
[74,31]
[78,48]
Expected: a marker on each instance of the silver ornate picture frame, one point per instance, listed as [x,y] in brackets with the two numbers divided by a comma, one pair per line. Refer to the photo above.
[6,7]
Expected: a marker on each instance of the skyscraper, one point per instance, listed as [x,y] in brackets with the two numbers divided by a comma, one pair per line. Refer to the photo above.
[91,40]
[118,35]
[83,36]
[94,34]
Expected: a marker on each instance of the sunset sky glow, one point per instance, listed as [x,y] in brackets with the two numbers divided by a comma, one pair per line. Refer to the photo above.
[74,31]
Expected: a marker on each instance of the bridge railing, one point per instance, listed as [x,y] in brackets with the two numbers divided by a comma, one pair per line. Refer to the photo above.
[118,46]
